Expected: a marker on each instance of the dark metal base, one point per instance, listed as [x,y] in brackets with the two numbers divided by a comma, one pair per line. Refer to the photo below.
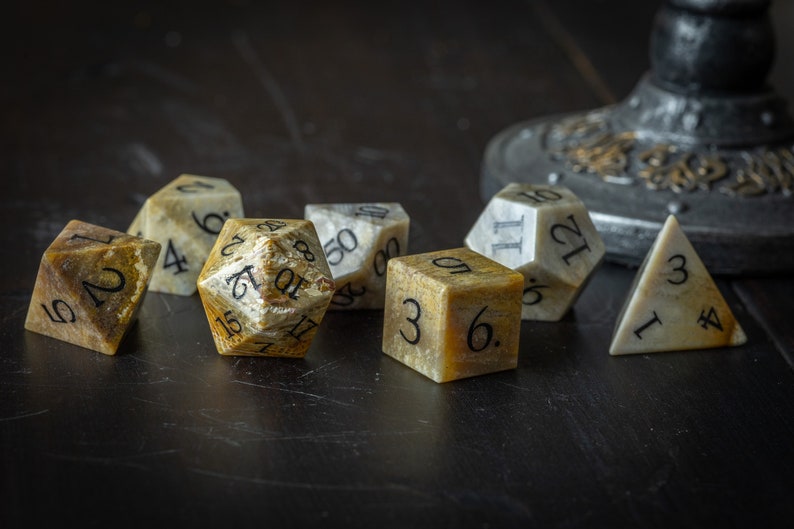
[659,153]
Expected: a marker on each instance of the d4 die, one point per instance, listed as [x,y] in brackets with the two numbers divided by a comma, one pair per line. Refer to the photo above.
[359,240]
[90,284]
[452,314]
[674,304]
[546,234]
[185,216]
[265,287]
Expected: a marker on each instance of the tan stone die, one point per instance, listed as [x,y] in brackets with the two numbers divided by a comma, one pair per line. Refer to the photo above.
[265,287]
[185,216]
[546,234]
[90,284]
[359,240]
[674,304]
[452,314]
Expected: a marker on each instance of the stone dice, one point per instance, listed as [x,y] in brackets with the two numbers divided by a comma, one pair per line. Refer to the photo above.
[674,304]
[546,234]
[359,240]
[185,216]
[90,284]
[265,287]
[452,314]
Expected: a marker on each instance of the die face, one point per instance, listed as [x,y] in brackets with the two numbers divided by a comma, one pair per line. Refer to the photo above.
[265,287]
[185,216]
[452,314]
[90,284]
[358,240]
[546,233]
[674,304]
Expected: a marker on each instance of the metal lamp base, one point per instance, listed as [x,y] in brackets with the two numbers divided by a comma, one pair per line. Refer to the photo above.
[723,165]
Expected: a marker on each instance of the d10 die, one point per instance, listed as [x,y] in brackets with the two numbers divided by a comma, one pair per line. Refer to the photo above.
[265,287]
[544,232]
[185,216]
[90,283]
[674,304]
[358,240]
[452,314]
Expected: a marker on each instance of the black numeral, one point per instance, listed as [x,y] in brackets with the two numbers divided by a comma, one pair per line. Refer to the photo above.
[90,287]
[414,322]
[227,250]
[639,330]
[272,225]
[284,282]
[345,241]
[478,328]
[303,248]
[265,346]
[681,268]
[540,195]
[574,229]
[534,293]
[455,265]
[381,259]
[710,320]
[77,236]
[211,223]
[56,308]
[371,210]
[194,187]
[172,258]
[242,285]
[230,325]
[346,296]
[296,331]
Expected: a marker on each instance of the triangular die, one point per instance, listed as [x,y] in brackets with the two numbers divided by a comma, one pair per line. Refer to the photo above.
[674,304]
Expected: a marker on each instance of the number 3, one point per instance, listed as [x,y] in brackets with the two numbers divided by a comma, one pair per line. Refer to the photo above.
[413,321]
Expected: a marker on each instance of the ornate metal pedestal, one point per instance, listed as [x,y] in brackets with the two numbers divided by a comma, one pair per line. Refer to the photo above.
[701,137]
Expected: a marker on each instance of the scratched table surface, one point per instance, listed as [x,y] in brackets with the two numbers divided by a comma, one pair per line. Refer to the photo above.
[292,102]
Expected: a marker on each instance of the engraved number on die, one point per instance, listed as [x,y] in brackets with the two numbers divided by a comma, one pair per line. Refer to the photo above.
[371,210]
[194,187]
[532,294]
[61,316]
[574,229]
[681,269]
[272,225]
[345,241]
[211,223]
[414,321]
[346,295]
[286,283]
[710,319]
[381,259]
[539,196]
[475,334]
[90,287]
[303,248]
[240,288]
[453,264]
[231,325]
[172,258]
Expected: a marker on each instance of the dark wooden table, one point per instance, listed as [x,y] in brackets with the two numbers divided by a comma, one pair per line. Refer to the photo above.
[105,102]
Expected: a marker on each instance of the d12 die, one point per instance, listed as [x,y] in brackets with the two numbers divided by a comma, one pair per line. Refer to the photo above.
[358,240]
[265,287]
[452,314]
[674,304]
[546,233]
[90,284]
[185,216]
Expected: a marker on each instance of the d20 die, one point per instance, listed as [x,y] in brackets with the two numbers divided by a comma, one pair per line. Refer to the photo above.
[265,287]
[546,234]
[185,216]
[359,240]
[674,304]
[452,314]
[90,284]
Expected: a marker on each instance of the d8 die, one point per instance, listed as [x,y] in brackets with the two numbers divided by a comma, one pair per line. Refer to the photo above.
[90,283]
[358,240]
[452,314]
[265,287]
[546,233]
[185,216]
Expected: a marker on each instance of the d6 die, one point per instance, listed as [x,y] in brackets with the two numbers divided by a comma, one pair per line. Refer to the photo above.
[90,284]
[185,216]
[265,287]
[452,314]
[546,233]
[358,240]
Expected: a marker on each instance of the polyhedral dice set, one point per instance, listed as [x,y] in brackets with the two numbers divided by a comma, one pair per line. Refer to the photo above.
[266,283]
